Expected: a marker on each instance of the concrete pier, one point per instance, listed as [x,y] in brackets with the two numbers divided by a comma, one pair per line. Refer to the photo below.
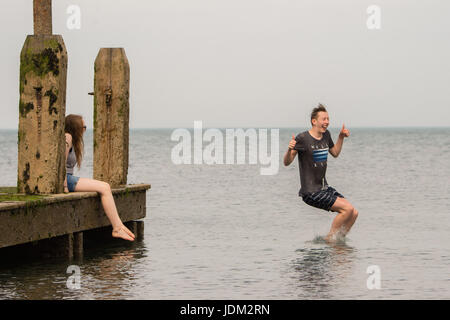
[58,220]
[36,213]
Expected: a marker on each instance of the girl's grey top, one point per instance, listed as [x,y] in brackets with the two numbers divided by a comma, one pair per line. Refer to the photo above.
[71,161]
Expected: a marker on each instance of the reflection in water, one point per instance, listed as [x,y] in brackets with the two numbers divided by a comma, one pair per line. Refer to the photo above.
[106,273]
[321,267]
[111,274]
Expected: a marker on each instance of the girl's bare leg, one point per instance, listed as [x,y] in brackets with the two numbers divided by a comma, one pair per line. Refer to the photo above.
[104,189]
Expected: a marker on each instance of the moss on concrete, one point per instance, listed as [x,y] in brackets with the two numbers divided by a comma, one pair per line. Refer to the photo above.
[19,197]
[20,136]
[53,44]
[40,63]
[10,194]
[24,108]
[52,99]
[8,189]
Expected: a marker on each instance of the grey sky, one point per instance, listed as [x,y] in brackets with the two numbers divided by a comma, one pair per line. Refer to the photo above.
[251,63]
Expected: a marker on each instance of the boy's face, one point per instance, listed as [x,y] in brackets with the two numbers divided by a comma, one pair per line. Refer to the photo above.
[321,122]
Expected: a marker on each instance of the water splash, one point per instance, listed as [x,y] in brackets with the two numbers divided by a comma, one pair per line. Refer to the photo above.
[338,240]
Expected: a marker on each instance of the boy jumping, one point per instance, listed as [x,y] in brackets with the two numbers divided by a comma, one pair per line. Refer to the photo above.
[312,147]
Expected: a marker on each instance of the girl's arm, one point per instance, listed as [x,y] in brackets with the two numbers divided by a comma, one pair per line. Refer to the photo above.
[68,146]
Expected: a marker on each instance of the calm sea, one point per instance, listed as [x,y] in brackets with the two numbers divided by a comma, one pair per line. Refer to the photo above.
[227,232]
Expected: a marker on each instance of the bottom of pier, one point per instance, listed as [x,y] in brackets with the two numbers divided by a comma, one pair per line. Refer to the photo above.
[61,225]
[72,245]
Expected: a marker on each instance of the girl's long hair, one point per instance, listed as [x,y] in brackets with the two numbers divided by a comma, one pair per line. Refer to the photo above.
[74,126]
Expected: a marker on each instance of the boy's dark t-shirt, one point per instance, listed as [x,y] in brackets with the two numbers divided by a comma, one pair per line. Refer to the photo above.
[312,161]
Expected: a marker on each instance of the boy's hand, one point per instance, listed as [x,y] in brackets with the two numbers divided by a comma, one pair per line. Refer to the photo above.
[344,132]
[292,143]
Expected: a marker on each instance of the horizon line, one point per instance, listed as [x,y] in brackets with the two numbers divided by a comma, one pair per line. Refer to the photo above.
[280,127]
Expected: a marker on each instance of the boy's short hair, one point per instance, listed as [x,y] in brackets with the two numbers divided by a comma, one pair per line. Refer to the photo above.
[316,110]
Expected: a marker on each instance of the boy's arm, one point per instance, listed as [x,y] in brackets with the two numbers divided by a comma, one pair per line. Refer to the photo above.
[289,156]
[336,150]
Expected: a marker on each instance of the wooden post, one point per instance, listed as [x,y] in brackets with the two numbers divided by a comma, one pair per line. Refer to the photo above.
[132,225]
[111,116]
[42,108]
[42,16]
[78,244]
[61,246]
[140,230]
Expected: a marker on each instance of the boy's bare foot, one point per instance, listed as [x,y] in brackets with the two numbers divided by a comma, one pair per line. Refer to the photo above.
[124,233]
[335,238]
[329,239]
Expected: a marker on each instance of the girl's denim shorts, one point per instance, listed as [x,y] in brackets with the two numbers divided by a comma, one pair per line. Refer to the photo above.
[72,182]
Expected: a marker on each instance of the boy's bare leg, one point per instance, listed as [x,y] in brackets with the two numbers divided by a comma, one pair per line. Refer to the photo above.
[344,220]
[349,224]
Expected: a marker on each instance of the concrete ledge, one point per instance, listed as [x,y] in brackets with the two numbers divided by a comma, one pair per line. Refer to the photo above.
[64,214]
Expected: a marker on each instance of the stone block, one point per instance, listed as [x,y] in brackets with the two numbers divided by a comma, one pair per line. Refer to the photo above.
[41,142]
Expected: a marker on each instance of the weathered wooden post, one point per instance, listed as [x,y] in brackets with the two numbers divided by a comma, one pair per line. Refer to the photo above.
[111,116]
[78,244]
[111,121]
[140,230]
[43,72]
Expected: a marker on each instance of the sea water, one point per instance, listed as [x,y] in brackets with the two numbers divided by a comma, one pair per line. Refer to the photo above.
[228,232]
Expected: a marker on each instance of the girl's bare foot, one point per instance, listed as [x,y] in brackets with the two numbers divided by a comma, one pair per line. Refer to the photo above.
[124,233]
